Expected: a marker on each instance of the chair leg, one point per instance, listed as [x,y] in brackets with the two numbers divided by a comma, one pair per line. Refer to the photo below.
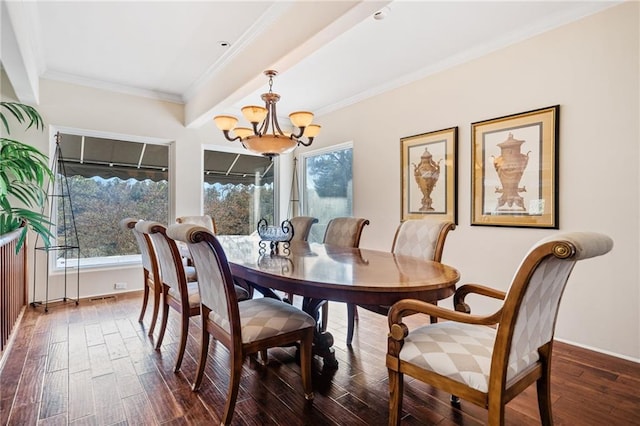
[264,357]
[351,316]
[306,355]
[163,324]
[145,299]
[325,316]
[184,333]
[433,319]
[156,308]
[202,361]
[396,389]
[496,411]
[543,386]
[234,386]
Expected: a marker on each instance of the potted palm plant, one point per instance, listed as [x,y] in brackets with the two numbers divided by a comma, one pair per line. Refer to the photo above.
[24,174]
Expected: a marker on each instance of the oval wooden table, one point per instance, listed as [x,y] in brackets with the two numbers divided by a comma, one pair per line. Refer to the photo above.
[320,272]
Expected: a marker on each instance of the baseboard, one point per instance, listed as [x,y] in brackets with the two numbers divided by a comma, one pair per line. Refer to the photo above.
[599,350]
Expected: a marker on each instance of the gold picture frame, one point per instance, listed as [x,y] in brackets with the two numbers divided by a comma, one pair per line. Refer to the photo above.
[515,170]
[429,163]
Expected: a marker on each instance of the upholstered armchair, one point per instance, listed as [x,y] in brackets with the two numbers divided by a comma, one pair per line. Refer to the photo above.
[489,359]
[422,238]
[243,327]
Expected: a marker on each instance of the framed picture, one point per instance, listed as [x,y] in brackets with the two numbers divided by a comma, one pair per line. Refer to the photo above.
[515,170]
[429,175]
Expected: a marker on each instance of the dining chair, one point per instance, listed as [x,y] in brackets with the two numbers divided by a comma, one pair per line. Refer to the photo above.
[150,269]
[421,238]
[344,232]
[301,227]
[489,359]
[243,327]
[205,220]
[177,292]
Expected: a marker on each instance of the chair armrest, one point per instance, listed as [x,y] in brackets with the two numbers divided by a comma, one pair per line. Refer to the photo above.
[398,331]
[458,298]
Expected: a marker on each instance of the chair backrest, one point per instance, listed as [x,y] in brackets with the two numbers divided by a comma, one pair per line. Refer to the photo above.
[301,227]
[531,305]
[344,231]
[217,292]
[204,221]
[144,244]
[169,259]
[423,238]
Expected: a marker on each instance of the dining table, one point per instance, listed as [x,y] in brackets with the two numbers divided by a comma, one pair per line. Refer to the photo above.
[322,272]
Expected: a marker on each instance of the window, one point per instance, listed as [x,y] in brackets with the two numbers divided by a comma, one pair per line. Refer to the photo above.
[109,180]
[238,191]
[327,186]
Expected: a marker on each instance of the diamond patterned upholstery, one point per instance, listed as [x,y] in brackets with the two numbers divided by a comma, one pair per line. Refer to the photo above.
[488,366]
[422,238]
[244,327]
[344,231]
[301,227]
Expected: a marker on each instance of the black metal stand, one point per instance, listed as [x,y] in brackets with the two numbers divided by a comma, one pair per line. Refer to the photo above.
[60,207]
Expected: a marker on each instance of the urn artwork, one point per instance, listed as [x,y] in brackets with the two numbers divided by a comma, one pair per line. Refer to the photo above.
[510,166]
[426,174]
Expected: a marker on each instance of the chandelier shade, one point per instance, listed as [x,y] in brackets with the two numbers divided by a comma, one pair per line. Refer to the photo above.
[265,136]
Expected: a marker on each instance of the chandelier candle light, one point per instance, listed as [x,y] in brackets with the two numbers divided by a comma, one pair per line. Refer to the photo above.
[263,119]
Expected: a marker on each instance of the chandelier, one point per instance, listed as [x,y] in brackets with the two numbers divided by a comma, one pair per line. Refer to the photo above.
[264,119]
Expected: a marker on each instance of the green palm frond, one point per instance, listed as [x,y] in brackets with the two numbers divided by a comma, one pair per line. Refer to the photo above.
[23,114]
[24,173]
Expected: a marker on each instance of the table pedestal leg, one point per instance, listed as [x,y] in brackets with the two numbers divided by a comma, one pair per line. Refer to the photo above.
[322,340]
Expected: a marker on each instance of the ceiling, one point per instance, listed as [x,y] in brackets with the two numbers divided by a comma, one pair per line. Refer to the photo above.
[329,54]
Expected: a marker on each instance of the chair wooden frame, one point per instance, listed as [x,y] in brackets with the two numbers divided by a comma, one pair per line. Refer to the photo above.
[500,391]
[170,262]
[232,339]
[445,228]
[150,269]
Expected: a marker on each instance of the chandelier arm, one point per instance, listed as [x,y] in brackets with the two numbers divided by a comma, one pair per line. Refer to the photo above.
[299,134]
[274,121]
[229,138]
[264,128]
[255,129]
[301,142]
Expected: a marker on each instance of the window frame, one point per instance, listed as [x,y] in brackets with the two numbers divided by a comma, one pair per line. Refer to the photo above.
[241,150]
[109,262]
[303,176]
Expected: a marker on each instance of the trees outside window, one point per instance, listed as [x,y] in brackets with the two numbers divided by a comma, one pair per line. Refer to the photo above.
[238,191]
[109,180]
[327,186]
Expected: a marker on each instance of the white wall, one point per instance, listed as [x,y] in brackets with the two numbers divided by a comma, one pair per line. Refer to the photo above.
[590,68]
[72,106]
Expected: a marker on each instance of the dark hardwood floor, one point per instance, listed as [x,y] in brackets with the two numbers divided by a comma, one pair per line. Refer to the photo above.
[94,364]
